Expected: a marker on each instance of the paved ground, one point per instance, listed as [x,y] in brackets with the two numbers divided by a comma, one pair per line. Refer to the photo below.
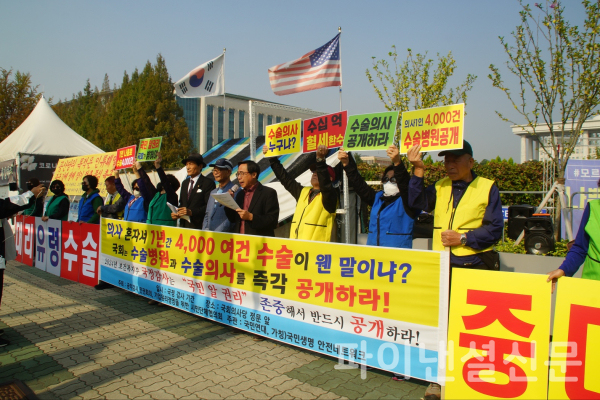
[69,341]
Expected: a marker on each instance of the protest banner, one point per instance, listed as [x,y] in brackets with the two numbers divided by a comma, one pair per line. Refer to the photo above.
[28,240]
[574,362]
[328,130]
[499,334]
[72,170]
[80,247]
[41,244]
[149,148]
[388,311]
[370,131]
[125,157]
[53,247]
[283,138]
[435,129]
[19,237]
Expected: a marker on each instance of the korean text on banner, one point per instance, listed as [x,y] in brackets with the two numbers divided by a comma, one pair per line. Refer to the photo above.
[325,130]
[125,157]
[371,131]
[149,148]
[435,129]
[499,333]
[19,237]
[574,361]
[388,311]
[283,138]
[72,170]
[28,240]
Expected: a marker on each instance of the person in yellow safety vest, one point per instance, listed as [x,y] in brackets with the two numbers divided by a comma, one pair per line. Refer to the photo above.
[467,208]
[467,214]
[316,204]
[585,250]
[113,204]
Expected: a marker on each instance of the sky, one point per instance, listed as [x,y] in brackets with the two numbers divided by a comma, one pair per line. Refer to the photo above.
[62,44]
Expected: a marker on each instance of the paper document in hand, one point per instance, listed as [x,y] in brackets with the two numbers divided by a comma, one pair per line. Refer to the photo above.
[226,200]
[174,210]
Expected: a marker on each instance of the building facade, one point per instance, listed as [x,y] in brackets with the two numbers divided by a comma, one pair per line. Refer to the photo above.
[531,148]
[212,120]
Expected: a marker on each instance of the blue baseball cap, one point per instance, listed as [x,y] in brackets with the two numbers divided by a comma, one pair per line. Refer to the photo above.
[222,163]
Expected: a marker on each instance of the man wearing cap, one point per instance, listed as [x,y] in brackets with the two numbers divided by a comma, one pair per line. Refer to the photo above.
[215,218]
[467,208]
[316,204]
[195,193]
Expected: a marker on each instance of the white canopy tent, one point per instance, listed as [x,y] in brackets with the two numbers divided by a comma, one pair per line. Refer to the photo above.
[43,132]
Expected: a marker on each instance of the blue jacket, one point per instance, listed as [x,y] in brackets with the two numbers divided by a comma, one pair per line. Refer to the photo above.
[135,210]
[215,218]
[390,226]
[86,209]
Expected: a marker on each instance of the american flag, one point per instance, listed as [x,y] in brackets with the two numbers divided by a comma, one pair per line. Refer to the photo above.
[314,70]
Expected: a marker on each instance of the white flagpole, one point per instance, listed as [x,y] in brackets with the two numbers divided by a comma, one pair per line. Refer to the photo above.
[345,178]
[224,109]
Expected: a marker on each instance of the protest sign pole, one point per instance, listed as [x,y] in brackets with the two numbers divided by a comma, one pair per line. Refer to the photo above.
[223,75]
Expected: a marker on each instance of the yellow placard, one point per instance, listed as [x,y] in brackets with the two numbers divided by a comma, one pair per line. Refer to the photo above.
[435,129]
[498,338]
[400,284]
[72,170]
[575,350]
[283,138]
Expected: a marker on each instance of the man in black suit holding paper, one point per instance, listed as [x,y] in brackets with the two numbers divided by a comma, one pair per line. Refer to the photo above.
[259,207]
[195,193]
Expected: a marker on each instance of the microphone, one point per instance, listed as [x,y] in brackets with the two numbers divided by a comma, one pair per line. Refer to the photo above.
[233,189]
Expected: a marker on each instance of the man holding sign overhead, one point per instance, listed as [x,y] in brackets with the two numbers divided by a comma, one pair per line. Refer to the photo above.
[467,209]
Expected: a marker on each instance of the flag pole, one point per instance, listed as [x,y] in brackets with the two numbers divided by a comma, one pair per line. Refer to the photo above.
[345,177]
[224,109]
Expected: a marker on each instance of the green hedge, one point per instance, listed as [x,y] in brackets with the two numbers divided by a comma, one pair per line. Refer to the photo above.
[507,175]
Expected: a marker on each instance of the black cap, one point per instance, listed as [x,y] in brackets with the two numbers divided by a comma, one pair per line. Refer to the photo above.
[195,158]
[222,163]
[467,149]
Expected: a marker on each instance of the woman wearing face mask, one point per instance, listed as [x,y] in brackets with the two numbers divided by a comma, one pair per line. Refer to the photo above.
[391,222]
[164,192]
[58,205]
[136,205]
[36,204]
[90,201]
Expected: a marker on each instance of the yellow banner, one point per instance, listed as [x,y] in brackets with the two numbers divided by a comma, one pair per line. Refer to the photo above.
[435,129]
[72,170]
[391,283]
[283,138]
[575,362]
[498,338]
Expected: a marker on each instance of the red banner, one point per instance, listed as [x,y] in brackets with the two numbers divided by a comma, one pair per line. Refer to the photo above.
[71,245]
[28,240]
[89,240]
[328,130]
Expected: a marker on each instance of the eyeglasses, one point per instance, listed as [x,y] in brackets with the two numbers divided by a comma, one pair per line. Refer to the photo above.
[386,179]
[242,173]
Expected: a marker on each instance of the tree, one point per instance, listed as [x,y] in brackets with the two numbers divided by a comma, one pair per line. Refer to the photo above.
[18,97]
[413,83]
[557,65]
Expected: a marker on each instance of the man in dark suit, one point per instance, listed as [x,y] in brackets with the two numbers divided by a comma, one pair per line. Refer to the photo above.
[259,207]
[195,193]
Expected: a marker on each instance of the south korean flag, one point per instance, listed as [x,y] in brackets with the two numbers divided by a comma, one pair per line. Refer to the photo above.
[205,80]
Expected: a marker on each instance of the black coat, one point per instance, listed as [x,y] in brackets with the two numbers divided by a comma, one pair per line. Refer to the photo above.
[197,201]
[264,207]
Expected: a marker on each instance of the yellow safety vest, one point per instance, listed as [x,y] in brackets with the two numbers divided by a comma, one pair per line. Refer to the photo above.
[311,221]
[467,215]
[115,198]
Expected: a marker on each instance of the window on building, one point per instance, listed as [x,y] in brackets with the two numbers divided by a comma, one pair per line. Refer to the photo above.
[191,114]
[287,119]
[209,126]
[241,121]
[221,123]
[231,123]
[278,119]
[261,125]
[269,120]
